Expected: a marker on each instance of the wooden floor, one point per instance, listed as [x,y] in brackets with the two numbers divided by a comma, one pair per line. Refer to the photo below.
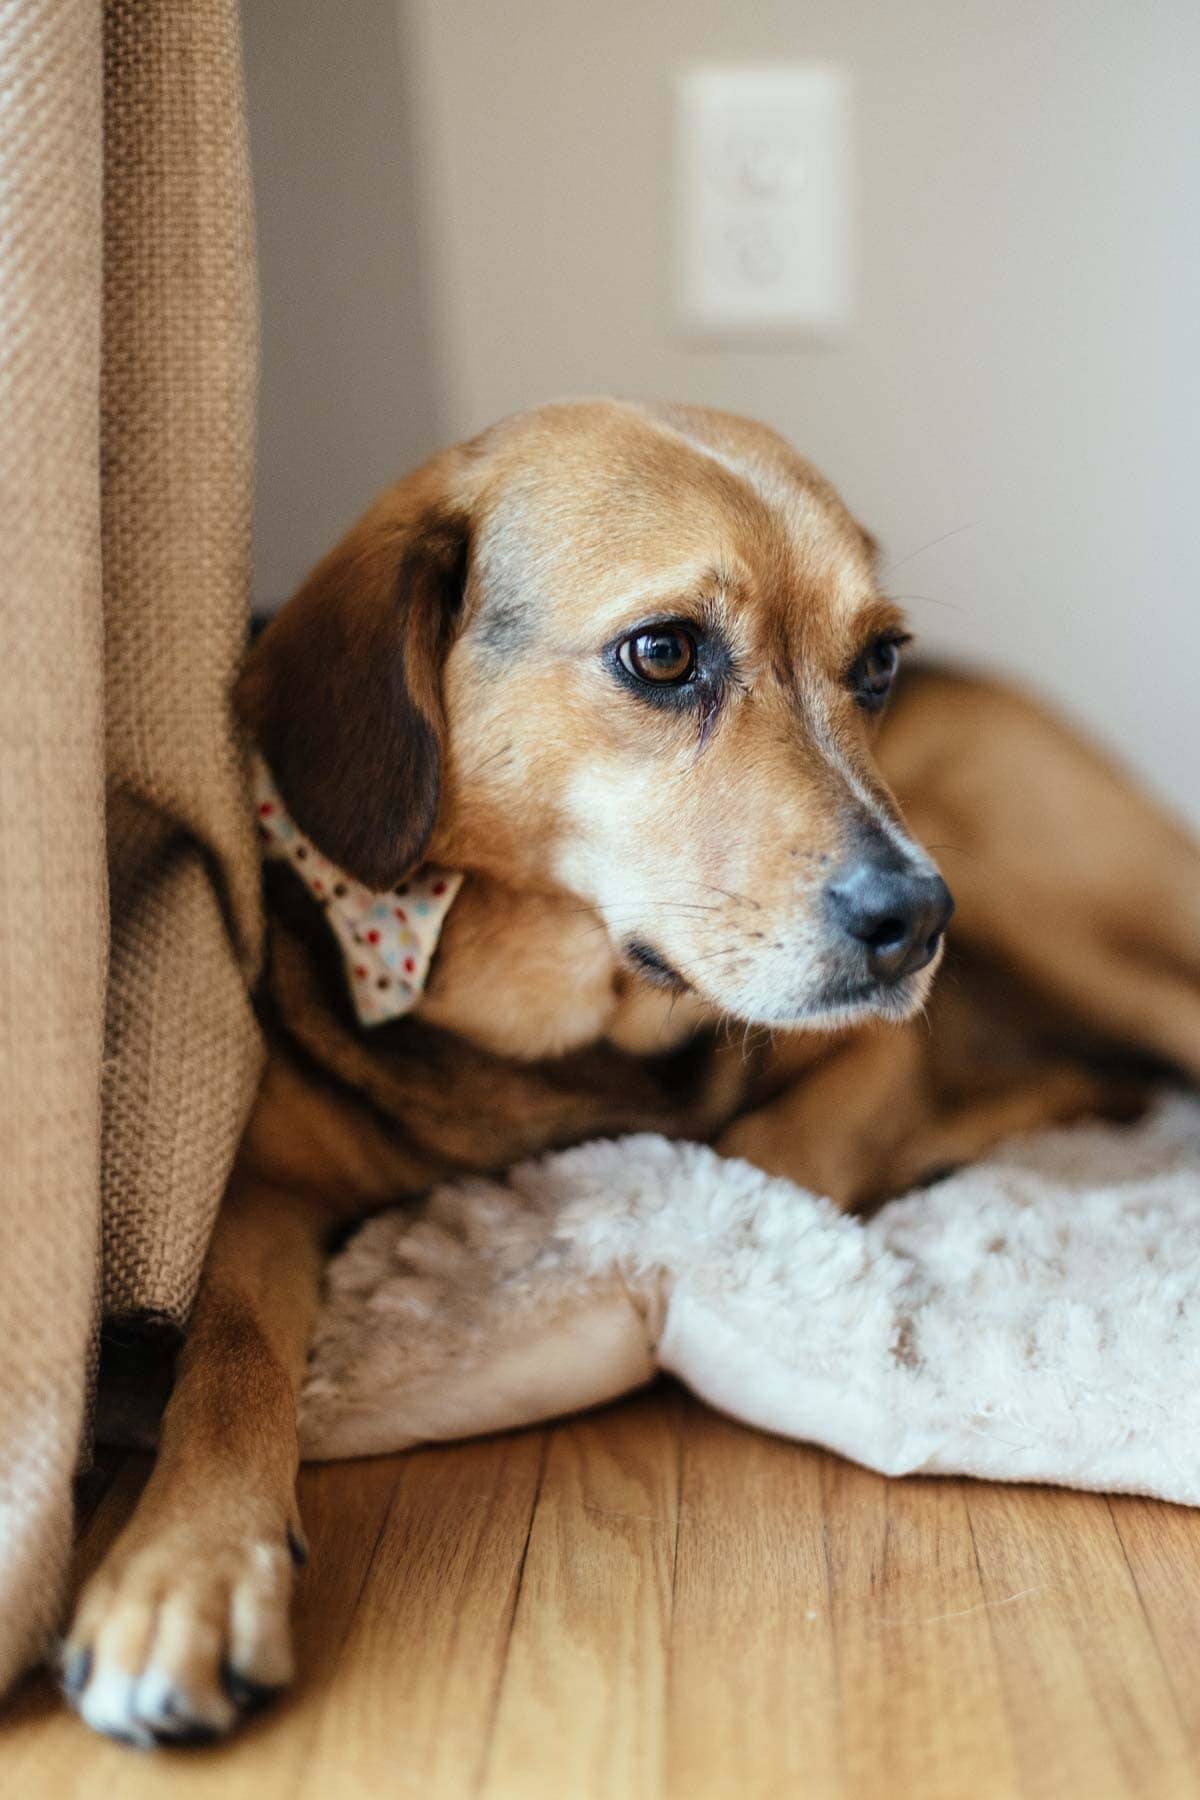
[653,1601]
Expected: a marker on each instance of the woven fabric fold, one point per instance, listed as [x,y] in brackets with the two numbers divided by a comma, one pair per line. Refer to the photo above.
[128,1048]
[179,373]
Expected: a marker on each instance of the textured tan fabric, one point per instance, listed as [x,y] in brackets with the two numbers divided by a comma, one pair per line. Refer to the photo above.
[128,1055]
[179,372]
[51,773]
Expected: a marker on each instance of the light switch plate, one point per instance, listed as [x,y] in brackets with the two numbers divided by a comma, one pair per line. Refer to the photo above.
[762,201]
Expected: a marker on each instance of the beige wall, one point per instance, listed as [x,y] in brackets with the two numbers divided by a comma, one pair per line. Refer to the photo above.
[347,392]
[1022,381]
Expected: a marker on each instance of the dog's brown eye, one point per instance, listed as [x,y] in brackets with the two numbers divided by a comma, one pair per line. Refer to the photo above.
[663,655]
[873,674]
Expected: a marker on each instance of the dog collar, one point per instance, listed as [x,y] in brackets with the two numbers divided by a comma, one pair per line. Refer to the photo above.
[387,940]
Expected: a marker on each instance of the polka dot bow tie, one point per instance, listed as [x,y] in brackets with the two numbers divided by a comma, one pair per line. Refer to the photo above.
[387,940]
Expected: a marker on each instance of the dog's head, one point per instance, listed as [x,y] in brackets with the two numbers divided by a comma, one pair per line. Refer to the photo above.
[631,654]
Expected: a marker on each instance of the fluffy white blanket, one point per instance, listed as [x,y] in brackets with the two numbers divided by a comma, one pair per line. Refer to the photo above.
[1034,1318]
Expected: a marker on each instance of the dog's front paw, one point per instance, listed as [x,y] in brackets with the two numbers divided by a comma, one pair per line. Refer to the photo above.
[183,1630]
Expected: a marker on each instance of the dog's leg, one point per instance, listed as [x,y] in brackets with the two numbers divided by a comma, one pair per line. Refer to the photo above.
[963,1133]
[1126,989]
[835,1129]
[185,1625]
[867,1123]
[1064,872]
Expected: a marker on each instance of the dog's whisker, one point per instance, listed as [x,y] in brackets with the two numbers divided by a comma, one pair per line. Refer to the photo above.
[648,906]
[958,530]
[927,600]
[732,894]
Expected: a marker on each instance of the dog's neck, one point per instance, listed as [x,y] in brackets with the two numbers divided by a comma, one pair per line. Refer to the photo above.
[517,972]
[532,975]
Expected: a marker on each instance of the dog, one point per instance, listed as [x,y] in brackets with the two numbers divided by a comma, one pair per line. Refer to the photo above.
[628,671]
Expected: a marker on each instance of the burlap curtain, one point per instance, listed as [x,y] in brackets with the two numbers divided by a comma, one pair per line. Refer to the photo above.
[129,914]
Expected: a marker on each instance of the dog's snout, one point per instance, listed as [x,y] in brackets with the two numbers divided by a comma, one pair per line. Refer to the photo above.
[895,911]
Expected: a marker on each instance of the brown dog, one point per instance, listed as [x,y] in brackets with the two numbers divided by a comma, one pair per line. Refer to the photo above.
[625,669]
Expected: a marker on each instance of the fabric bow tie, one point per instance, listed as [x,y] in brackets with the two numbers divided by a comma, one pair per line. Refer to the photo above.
[387,940]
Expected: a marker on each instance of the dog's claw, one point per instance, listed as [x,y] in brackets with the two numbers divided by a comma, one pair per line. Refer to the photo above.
[187,1737]
[74,1669]
[248,1695]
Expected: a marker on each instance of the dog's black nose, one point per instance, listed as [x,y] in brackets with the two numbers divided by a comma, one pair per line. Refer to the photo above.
[896,912]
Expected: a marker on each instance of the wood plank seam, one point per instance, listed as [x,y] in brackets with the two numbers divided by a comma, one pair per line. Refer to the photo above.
[1010,1726]
[493,1707]
[1153,1634]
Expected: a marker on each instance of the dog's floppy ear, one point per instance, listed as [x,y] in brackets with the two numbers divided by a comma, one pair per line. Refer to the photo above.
[342,692]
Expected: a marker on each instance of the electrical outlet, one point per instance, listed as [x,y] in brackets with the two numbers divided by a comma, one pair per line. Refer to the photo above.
[762,201]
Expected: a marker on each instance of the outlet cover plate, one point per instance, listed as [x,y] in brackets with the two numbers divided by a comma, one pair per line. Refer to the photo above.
[762,201]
